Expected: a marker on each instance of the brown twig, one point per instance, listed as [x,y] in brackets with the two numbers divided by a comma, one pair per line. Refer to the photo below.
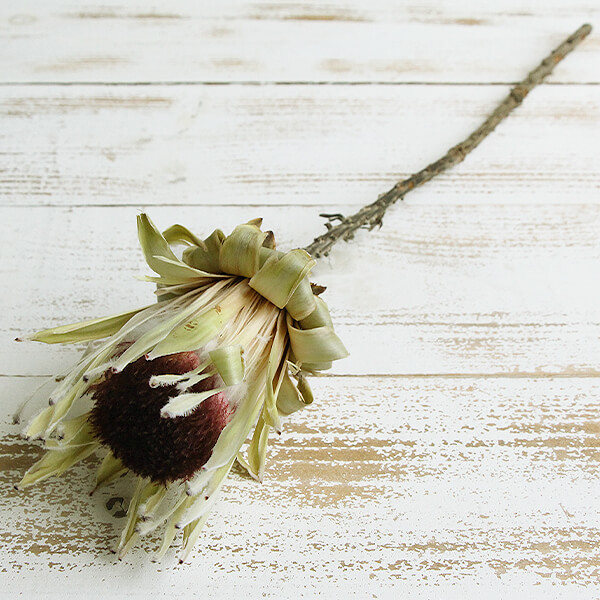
[371,215]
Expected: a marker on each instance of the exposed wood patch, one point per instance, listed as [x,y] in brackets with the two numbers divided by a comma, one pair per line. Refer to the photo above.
[464,476]
[84,63]
[34,105]
[307,12]
[114,14]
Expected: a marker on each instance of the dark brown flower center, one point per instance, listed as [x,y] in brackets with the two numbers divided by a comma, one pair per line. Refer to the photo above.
[126,418]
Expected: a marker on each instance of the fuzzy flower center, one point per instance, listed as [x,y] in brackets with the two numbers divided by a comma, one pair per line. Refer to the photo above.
[126,417]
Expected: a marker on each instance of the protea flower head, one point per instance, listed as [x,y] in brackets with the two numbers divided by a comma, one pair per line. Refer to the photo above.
[171,392]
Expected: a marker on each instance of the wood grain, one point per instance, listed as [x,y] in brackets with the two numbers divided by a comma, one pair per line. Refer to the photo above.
[456,453]
[440,290]
[290,145]
[337,41]
[383,482]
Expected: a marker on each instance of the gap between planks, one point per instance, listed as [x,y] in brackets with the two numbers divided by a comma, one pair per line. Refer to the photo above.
[576,374]
[252,83]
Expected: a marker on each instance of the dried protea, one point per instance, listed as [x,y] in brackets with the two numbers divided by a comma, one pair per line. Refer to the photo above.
[173,390]
[177,387]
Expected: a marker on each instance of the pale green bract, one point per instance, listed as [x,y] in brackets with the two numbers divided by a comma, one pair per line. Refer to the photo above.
[250,314]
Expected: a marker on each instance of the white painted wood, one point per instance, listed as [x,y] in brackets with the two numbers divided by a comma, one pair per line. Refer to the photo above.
[440,289]
[382,484]
[455,453]
[291,145]
[340,40]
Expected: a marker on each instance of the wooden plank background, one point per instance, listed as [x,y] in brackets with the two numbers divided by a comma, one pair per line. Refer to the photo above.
[335,41]
[455,453]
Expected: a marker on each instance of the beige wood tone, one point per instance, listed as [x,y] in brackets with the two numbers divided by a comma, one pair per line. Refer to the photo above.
[456,452]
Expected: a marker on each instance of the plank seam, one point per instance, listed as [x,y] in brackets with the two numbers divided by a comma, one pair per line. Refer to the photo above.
[282,83]
[500,375]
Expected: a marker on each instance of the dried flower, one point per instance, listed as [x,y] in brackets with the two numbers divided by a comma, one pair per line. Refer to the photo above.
[174,389]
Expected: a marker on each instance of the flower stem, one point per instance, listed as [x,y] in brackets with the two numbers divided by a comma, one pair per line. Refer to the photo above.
[371,215]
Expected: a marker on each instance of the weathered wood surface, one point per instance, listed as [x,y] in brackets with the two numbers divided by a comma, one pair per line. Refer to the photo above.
[335,41]
[384,484]
[455,453]
[290,144]
[442,289]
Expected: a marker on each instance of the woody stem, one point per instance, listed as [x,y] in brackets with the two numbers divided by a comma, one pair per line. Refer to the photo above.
[371,215]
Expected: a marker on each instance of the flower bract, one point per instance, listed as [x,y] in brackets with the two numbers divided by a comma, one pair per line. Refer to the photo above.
[177,391]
